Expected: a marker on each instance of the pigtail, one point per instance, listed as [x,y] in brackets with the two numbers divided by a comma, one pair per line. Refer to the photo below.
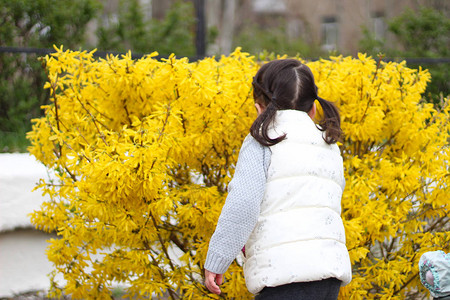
[331,122]
[289,84]
[260,127]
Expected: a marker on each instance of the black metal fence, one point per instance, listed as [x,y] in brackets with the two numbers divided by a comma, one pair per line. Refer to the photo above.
[103,54]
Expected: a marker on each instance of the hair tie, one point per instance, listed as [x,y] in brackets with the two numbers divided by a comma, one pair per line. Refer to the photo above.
[274,103]
[259,86]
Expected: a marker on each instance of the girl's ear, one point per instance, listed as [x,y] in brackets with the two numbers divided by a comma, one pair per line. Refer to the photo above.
[312,112]
[259,108]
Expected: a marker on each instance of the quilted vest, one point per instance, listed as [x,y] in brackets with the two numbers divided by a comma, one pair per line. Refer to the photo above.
[299,235]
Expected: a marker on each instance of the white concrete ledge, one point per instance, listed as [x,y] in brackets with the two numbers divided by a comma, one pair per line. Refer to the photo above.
[23,263]
[19,174]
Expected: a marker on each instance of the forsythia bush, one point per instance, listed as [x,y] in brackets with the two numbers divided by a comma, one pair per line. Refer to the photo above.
[142,152]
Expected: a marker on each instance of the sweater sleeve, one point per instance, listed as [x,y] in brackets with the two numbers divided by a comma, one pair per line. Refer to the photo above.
[242,206]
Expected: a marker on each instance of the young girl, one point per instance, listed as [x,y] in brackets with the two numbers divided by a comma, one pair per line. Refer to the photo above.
[284,201]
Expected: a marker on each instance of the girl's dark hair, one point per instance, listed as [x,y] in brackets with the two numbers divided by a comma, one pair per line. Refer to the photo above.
[289,84]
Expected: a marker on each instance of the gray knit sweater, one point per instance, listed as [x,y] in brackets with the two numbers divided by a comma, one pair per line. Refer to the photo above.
[242,206]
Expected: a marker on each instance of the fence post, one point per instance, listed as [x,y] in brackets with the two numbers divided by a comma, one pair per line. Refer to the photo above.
[200,33]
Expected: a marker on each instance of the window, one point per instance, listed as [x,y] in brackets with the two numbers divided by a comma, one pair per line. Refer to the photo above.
[379,26]
[329,33]
[269,6]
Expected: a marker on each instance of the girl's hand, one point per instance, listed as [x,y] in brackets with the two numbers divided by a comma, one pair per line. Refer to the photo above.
[212,281]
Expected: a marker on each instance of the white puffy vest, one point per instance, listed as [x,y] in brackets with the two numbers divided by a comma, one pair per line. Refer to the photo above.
[299,235]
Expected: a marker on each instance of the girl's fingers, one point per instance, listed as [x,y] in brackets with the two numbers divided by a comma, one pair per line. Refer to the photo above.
[210,282]
[219,279]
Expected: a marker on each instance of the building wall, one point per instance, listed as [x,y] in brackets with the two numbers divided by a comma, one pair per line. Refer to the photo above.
[308,19]
[314,21]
